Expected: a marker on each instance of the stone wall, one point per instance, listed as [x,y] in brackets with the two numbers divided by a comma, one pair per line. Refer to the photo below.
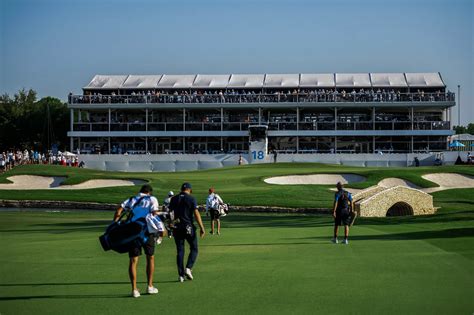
[377,205]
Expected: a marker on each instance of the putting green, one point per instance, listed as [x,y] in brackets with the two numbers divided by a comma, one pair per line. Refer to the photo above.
[52,263]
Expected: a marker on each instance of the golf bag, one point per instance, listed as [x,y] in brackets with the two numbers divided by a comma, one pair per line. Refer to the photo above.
[223,209]
[121,236]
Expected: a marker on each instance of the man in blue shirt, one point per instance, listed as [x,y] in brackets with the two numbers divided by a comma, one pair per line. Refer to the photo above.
[141,205]
[343,208]
[185,207]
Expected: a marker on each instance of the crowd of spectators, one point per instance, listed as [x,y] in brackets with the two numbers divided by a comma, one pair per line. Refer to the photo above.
[11,158]
[259,96]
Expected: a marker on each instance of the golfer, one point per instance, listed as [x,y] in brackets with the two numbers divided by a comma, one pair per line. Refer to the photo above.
[343,207]
[184,207]
[141,205]
[213,202]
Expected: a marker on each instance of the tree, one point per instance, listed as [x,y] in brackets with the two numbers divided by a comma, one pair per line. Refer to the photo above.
[24,121]
[459,129]
[470,128]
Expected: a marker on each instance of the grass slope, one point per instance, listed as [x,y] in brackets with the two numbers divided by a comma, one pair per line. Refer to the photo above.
[238,185]
[51,263]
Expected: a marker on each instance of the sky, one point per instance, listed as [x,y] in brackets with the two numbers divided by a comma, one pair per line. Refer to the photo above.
[57,46]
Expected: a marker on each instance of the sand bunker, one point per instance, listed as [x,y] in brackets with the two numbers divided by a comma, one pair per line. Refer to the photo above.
[25,182]
[444,180]
[393,182]
[449,181]
[317,179]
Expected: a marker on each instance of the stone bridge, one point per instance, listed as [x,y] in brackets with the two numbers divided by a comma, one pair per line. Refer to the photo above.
[395,201]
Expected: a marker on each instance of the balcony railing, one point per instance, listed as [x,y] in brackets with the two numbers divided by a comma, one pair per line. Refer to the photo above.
[280,126]
[312,97]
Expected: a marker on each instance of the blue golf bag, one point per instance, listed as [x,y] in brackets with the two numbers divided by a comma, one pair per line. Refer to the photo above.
[121,236]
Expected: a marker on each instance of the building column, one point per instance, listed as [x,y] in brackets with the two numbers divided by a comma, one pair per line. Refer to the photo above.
[373,144]
[412,118]
[259,116]
[184,120]
[71,126]
[411,145]
[373,121]
[71,144]
[184,144]
[110,117]
[109,146]
[146,119]
[335,144]
[297,118]
[146,145]
[297,144]
[222,118]
[222,143]
[335,118]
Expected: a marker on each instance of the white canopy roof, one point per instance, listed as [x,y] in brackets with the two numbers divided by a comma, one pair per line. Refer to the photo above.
[246,81]
[424,80]
[282,80]
[388,80]
[304,80]
[352,80]
[105,82]
[177,81]
[211,81]
[317,80]
[141,82]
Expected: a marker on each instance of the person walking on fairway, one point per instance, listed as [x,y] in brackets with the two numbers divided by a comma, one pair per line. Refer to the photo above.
[141,205]
[184,207]
[343,207]
[212,205]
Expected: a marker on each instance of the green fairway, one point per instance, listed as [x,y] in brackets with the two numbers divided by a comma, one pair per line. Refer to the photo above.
[237,185]
[52,263]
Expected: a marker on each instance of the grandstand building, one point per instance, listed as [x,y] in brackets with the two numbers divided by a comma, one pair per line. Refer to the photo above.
[304,113]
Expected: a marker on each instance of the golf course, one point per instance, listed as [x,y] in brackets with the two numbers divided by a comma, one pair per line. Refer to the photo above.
[52,262]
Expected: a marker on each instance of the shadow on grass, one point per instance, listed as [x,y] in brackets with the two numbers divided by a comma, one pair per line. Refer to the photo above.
[265,244]
[459,216]
[419,235]
[66,296]
[66,227]
[77,283]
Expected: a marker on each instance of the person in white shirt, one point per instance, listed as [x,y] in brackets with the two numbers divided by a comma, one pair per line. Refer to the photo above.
[212,205]
[146,204]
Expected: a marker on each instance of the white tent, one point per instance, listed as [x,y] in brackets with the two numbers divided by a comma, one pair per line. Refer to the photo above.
[177,81]
[424,80]
[282,80]
[240,81]
[211,81]
[105,82]
[141,82]
[359,80]
[320,80]
[388,80]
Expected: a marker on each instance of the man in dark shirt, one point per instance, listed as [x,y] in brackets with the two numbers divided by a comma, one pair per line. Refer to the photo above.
[184,207]
[343,209]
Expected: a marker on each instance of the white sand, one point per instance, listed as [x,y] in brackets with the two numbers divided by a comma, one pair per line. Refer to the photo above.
[25,182]
[444,180]
[393,181]
[318,179]
[449,181]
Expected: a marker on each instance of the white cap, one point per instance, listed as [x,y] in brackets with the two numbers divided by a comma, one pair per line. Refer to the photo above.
[170,194]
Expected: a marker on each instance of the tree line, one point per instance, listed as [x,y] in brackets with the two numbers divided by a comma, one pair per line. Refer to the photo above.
[26,122]
[462,129]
